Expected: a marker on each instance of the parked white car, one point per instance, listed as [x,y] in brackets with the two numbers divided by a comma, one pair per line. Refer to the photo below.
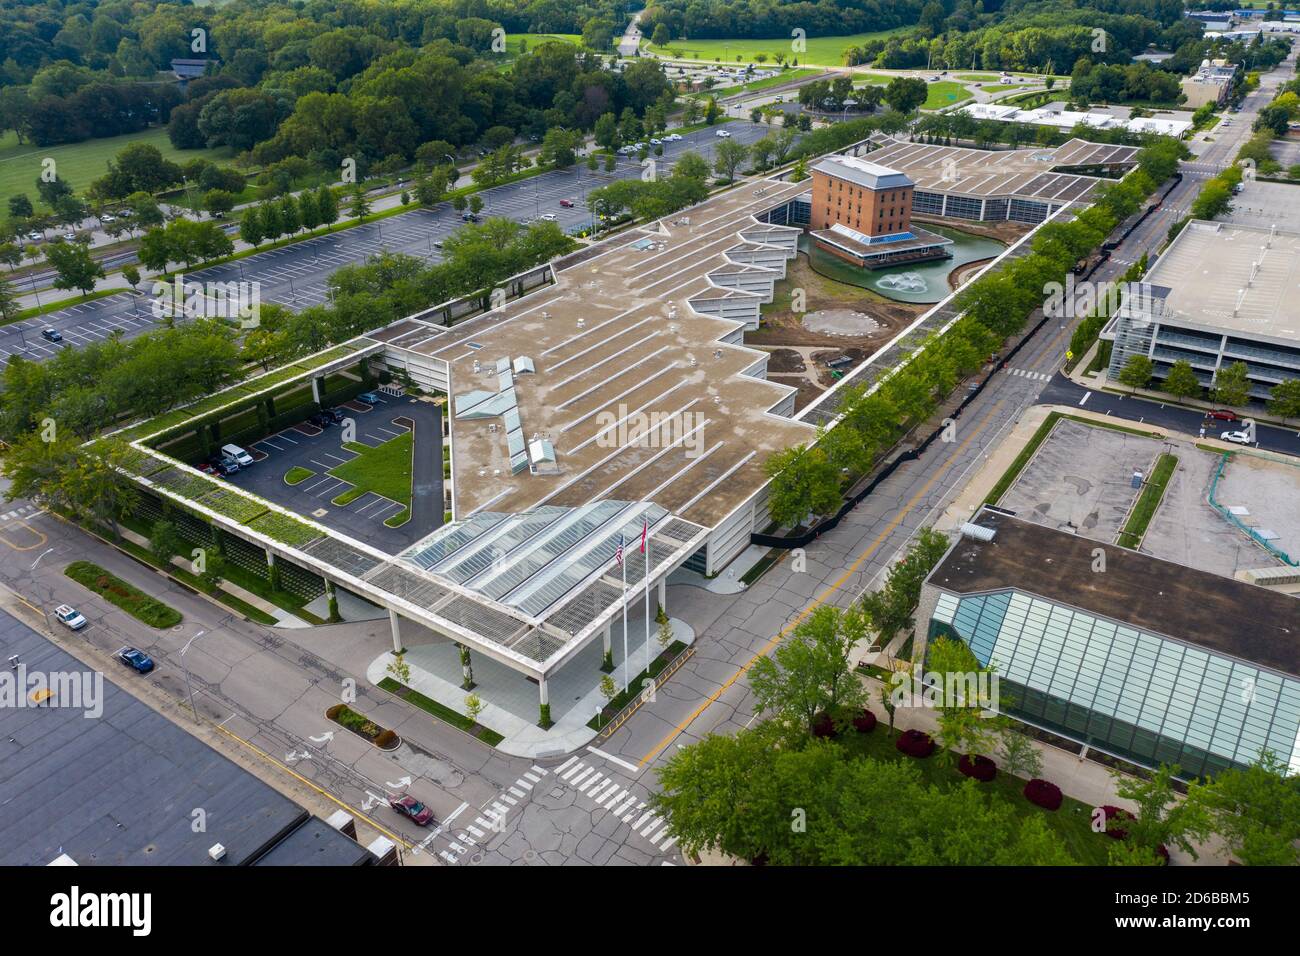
[243,458]
[722,134]
[70,617]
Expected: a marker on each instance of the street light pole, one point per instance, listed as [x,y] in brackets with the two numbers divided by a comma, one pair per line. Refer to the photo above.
[189,687]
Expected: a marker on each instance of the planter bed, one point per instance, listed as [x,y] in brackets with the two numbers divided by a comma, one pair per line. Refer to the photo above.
[363,726]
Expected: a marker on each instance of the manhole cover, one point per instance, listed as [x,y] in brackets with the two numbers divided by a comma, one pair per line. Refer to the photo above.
[530,855]
[179,627]
[557,792]
[476,859]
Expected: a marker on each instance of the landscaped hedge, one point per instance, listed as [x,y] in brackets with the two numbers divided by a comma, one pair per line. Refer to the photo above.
[915,743]
[978,768]
[865,722]
[1116,818]
[1044,793]
[126,596]
[823,725]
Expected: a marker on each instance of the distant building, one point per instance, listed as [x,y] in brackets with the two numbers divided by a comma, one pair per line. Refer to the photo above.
[862,212]
[1212,83]
[186,70]
[1147,660]
[1219,294]
[1057,116]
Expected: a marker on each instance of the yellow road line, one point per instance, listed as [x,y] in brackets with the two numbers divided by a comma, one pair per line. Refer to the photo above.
[826,594]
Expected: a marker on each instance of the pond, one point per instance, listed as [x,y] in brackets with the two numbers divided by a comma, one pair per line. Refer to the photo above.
[918,282]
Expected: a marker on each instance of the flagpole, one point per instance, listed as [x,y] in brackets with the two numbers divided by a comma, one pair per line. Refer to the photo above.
[645,536]
[627,663]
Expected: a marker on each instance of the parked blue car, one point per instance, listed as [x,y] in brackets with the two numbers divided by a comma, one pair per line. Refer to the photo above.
[370,398]
[137,660]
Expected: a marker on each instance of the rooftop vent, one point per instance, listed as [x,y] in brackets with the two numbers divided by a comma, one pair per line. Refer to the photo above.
[977,532]
[217,852]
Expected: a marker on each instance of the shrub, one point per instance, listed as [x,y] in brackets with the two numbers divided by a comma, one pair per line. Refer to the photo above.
[865,722]
[823,726]
[980,768]
[1043,793]
[915,743]
[333,712]
[1116,817]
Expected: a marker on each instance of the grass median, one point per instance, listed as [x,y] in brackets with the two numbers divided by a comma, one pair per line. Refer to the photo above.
[1153,492]
[127,597]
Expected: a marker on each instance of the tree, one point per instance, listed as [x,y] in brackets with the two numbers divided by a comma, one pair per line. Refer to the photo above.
[75,266]
[1137,372]
[250,227]
[10,254]
[290,217]
[889,610]
[662,36]
[1232,385]
[905,94]
[803,483]
[473,707]
[711,111]
[1161,818]
[810,675]
[214,570]
[475,204]
[1181,381]
[608,689]
[360,204]
[1018,755]
[218,202]
[729,156]
[90,484]
[665,634]
[1256,810]
[558,148]
[9,307]
[327,207]
[964,727]
[132,276]
[1284,399]
[165,542]
[20,207]
[398,669]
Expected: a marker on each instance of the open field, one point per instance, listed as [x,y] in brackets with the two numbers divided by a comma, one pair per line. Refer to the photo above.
[80,163]
[945,93]
[537,39]
[822,51]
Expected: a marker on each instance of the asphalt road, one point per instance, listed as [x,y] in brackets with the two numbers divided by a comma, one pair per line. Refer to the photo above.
[296,275]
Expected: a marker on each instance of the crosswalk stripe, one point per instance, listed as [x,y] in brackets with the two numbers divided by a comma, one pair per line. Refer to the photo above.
[476,831]
[653,824]
[510,800]
[448,857]
[613,792]
[531,777]
[619,812]
[659,836]
[668,844]
[583,788]
[501,811]
[645,816]
[516,791]
[542,773]
[579,770]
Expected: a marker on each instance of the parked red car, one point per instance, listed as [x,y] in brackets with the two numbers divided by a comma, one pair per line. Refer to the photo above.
[1223,415]
[408,806]
[566,203]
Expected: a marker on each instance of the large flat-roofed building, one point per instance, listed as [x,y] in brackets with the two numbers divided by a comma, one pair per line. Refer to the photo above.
[121,787]
[862,212]
[1218,295]
[1021,185]
[1211,83]
[1140,658]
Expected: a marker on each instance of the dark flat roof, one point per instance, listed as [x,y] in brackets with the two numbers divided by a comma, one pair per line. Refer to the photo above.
[1206,610]
[121,788]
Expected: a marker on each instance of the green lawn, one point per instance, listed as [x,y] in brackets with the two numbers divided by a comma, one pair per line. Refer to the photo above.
[297,474]
[944,93]
[442,712]
[1144,510]
[385,470]
[822,51]
[80,163]
[1000,87]
[126,596]
[1071,823]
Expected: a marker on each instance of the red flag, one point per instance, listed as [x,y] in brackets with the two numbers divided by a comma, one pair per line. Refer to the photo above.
[645,529]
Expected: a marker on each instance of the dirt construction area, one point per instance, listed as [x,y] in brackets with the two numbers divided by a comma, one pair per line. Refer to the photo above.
[1081,479]
[846,320]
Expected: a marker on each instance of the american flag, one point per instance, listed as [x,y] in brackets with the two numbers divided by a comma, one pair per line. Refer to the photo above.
[645,530]
[618,555]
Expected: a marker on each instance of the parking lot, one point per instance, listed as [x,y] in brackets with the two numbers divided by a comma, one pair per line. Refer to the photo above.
[296,275]
[317,450]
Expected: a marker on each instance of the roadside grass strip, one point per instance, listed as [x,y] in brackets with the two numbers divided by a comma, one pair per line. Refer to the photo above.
[120,594]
